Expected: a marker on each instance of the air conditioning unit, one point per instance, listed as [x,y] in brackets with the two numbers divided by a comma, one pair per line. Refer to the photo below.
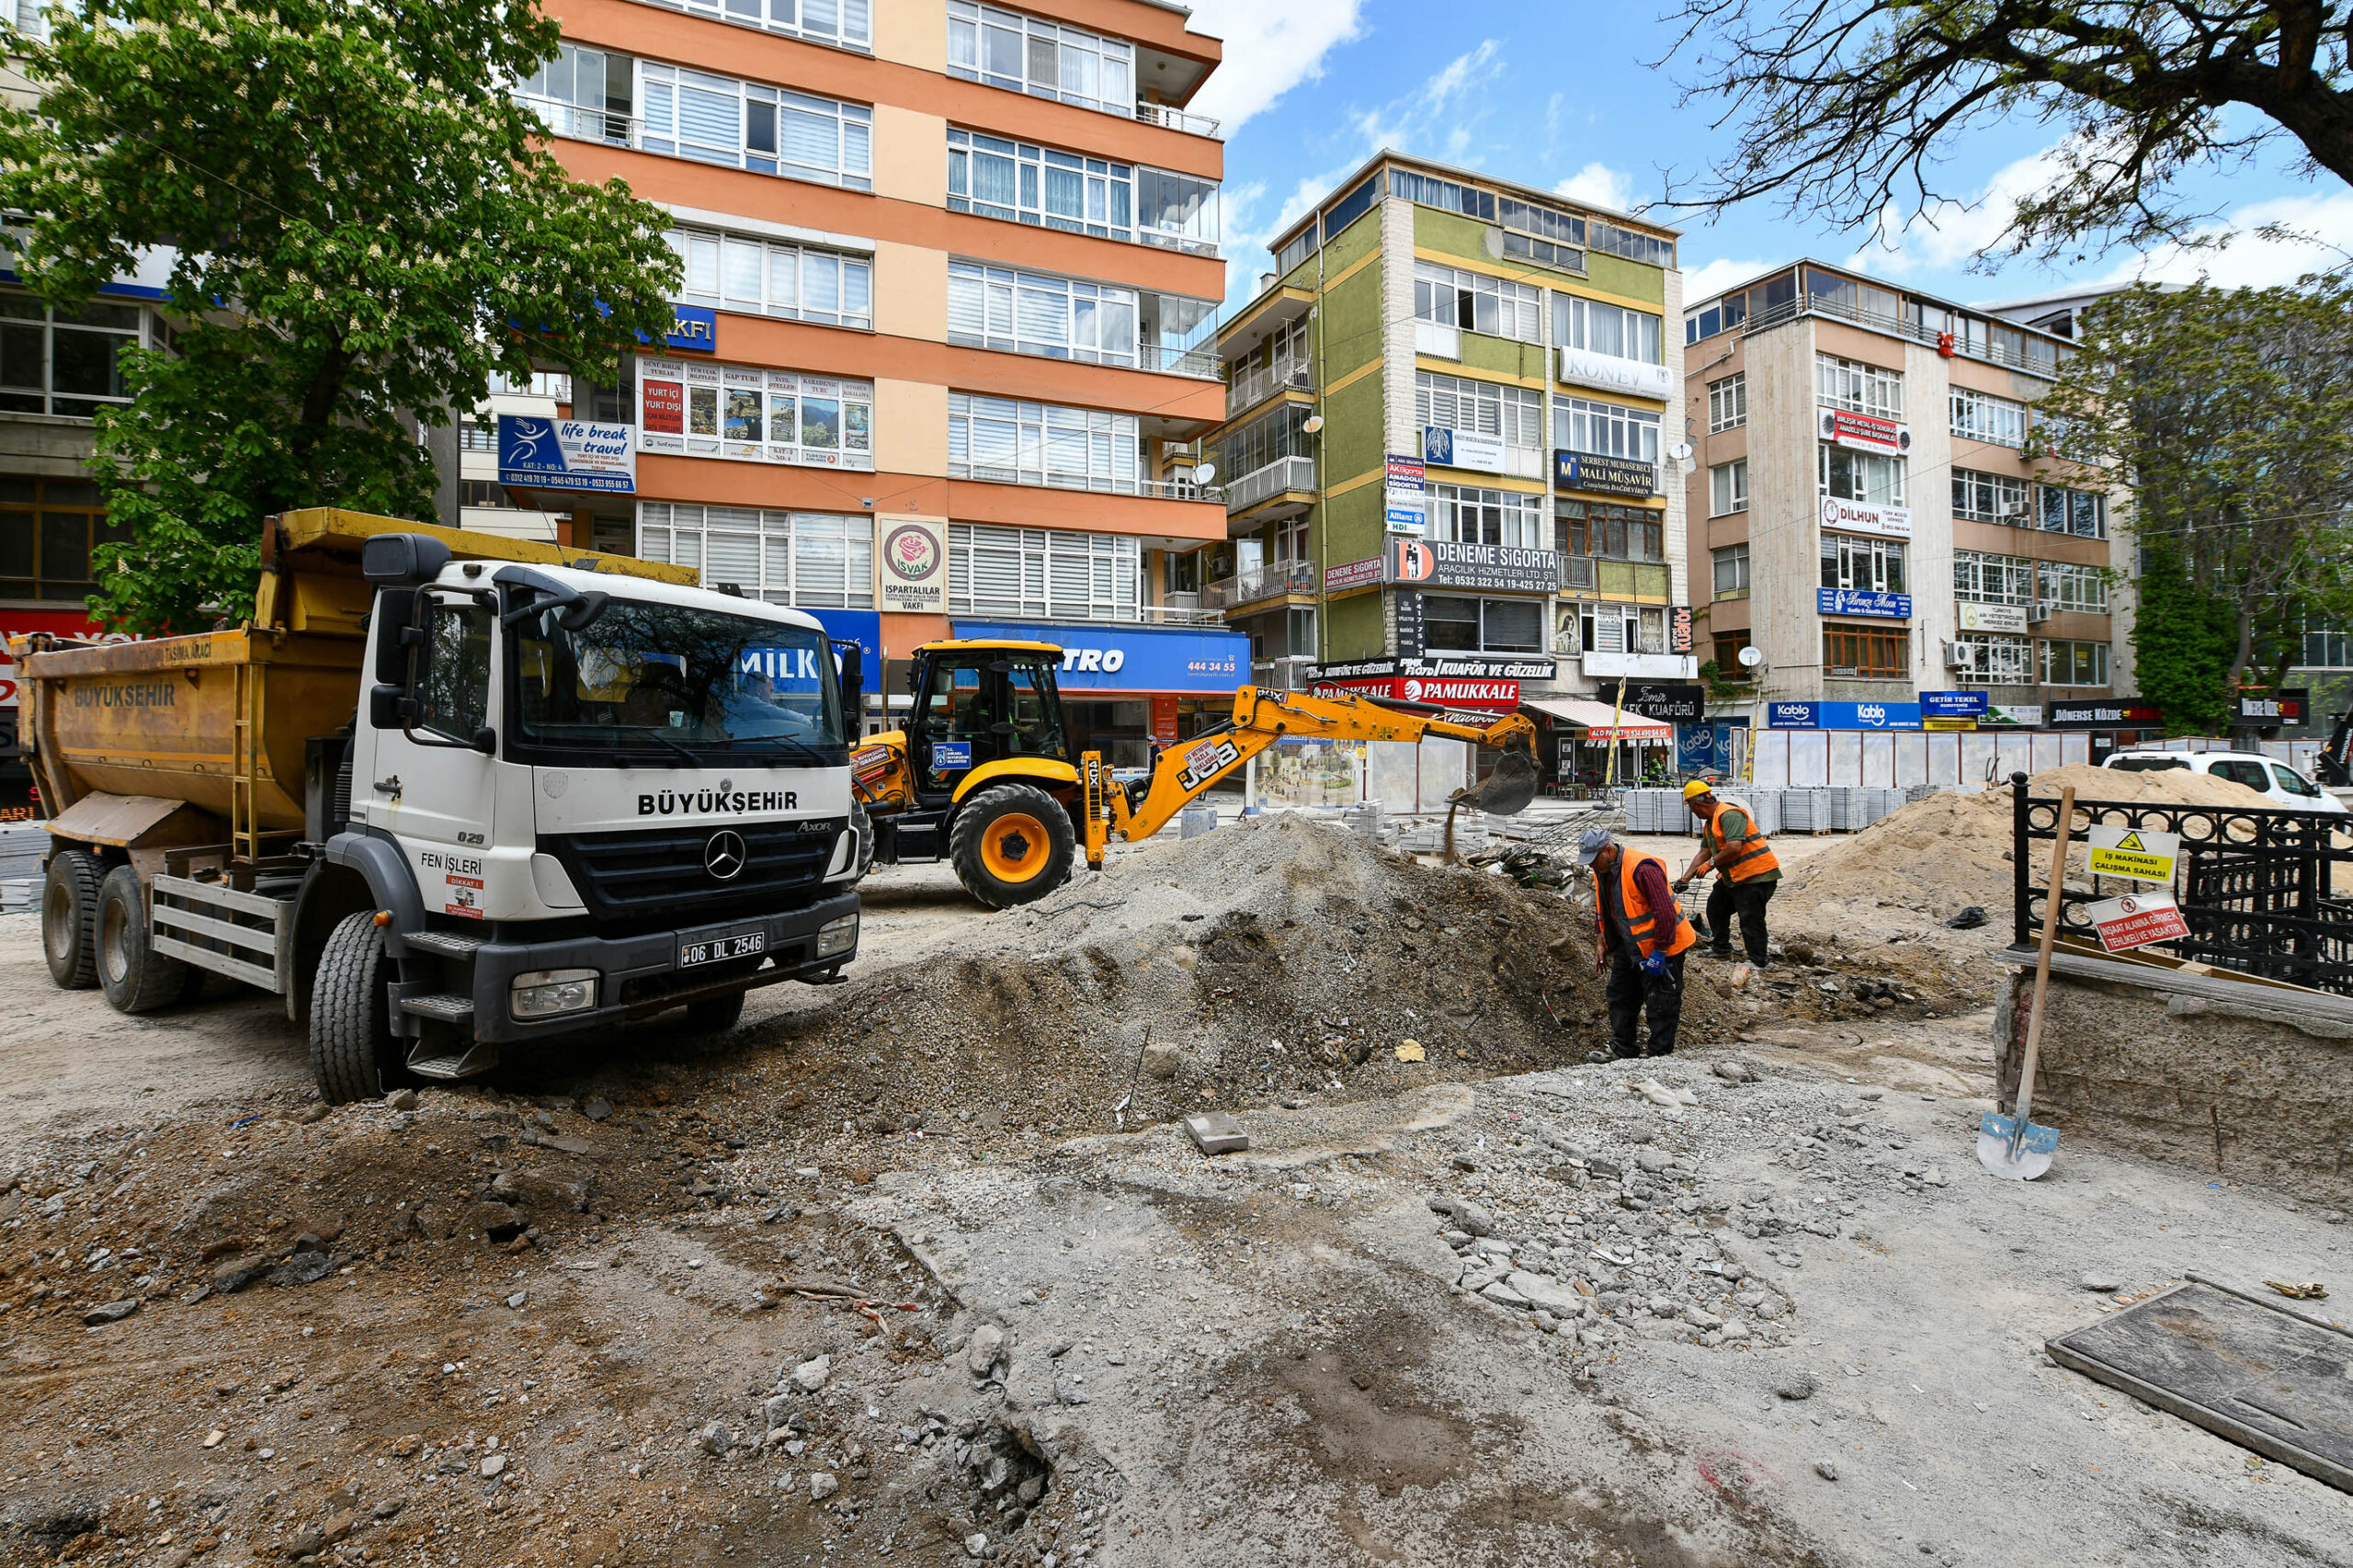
[2040,613]
[1955,658]
[2015,512]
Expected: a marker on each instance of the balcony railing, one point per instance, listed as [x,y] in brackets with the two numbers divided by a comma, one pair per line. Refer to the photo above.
[1576,571]
[1266,583]
[1175,361]
[1259,483]
[1176,120]
[1898,326]
[1254,385]
[1157,489]
[1173,239]
[1176,612]
[585,124]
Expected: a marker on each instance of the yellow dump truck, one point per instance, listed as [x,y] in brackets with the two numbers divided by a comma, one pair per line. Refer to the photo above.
[447,792]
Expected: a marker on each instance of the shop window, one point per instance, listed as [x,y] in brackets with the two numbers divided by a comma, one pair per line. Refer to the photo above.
[1456,624]
[48,530]
[2074,664]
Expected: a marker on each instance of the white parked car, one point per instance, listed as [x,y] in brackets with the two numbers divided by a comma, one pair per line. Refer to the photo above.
[2288,789]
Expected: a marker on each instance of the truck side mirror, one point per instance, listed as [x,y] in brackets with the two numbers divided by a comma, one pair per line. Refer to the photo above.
[395,614]
[851,659]
[403,559]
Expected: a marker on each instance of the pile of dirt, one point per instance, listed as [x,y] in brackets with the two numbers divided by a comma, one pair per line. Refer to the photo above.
[1944,853]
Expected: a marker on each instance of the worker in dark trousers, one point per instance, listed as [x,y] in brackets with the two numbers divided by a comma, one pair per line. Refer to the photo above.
[1643,939]
[1747,872]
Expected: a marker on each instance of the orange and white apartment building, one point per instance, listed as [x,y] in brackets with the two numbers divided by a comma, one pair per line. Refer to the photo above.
[947,318]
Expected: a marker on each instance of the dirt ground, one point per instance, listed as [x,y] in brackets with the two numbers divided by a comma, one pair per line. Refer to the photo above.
[866,1281]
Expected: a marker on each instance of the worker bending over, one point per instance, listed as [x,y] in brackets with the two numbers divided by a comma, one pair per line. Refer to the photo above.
[1644,938]
[1747,872]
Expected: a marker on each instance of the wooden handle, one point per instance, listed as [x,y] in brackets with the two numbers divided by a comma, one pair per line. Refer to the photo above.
[2050,911]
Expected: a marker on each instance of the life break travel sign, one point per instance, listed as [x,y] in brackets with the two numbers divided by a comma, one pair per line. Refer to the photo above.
[2140,853]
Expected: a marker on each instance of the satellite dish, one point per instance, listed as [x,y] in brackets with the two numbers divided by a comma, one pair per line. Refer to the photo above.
[1750,658]
[1312,423]
[1495,240]
[1204,472]
[1681,452]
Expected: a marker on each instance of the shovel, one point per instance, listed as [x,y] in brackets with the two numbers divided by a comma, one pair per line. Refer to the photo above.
[1505,792]
[2014,1146]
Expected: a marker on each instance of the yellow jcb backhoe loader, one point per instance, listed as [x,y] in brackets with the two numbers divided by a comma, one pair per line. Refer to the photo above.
[982,776]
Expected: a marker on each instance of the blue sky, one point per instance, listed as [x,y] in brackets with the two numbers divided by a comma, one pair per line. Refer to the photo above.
[1563,97]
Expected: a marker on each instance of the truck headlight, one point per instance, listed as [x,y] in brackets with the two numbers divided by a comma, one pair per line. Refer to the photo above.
[837,936]
[544,993]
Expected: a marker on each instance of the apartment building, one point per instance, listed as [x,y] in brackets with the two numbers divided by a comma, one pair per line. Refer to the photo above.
[946,325]
[1879,518]
[1448,445]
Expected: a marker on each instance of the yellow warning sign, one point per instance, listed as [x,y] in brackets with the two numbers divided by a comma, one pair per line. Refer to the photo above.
[2143,854]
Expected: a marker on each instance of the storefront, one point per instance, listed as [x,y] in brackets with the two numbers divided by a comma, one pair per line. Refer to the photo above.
[1128,690]
[1584,744]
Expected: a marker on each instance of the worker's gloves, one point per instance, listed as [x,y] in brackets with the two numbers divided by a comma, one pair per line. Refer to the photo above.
[1681,885]
[1656,966]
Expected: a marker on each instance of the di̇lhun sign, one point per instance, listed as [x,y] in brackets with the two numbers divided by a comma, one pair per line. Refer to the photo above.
[2140,853]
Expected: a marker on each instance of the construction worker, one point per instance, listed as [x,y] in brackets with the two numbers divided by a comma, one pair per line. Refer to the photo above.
[1746,871]
[1644,938]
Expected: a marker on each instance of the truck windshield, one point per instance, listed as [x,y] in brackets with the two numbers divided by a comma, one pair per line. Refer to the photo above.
[668,680]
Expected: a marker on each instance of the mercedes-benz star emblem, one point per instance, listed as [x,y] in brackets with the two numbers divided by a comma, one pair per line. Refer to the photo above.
[723,856]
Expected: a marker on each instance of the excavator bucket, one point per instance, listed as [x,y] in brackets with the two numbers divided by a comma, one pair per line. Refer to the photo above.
[1505,792]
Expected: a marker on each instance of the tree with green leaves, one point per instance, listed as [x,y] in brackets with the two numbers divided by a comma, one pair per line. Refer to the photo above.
[2229,412]
[365,228]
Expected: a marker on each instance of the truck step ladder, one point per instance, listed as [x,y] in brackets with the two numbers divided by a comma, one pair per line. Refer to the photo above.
[448,1008]
[463,1063]
[448,944]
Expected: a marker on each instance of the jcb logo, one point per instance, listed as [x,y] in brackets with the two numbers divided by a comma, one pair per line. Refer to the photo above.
[1199,769]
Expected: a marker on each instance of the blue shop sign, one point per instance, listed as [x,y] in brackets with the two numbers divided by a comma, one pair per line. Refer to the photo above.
[1842,715]
[1953,704]
[1794,715]
[1187,661]
[863,627]
[695,329]
[1863,601]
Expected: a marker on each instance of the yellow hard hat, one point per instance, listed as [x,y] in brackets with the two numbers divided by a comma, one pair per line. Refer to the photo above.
[1696,787]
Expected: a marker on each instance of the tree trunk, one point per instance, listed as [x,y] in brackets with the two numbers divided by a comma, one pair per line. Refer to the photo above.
[2240,659]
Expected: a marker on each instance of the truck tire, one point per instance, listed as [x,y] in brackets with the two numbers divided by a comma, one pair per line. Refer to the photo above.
[713,1014]
[353,1051]
[69,918]
[1011,843]
[135,977]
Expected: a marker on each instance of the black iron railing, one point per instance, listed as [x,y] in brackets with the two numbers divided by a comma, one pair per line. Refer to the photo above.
[2256,887]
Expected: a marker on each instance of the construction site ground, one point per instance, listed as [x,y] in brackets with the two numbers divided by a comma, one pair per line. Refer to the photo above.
[923,1267]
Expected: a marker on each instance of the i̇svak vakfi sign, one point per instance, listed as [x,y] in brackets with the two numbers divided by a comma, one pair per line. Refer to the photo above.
[566,454]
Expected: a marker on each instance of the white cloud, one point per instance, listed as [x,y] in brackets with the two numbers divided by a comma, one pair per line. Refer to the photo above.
[2309,233]
[1949,234]
[1598,185]
[1706,281]
[1269,50]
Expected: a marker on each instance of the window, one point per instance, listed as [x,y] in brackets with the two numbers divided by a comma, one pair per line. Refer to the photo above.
[2072,587]
[1872,566]
[2249,774]
[734,411]
[586,94]
[63,361]
[1178,210]
[813,560]
[1030,54]
[475,435]
[2294,782]
[48,529]
[1579,322]
[765,278]
[1645,248]
[996,179]
[1728,648]
[1542,234]
[1582,425]
[1858,387]
[453,688]
[1725,315]
[1037,574]
[2325,649]
[1732,572]
[554,384]
[1988,497]
[2083,513]
[1851,475]
[1866,651]
[1857,301]
[1030,443]
[485,495]
[1476,302]
[1612,533]
[1454,402]
[848,22]
[1457,625]
[1467,514]
[1263,440]
[1982,416]
[766,130]
[1990,659]
[1346,211]
[1992,579]
[1728,402]
[1030,313]
[2074,664]
[1728,488]
[1427,191]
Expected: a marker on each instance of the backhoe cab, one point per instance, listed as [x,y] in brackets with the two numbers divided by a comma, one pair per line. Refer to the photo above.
[983,775]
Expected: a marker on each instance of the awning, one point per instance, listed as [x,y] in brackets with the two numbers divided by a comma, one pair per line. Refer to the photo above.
[1601,720]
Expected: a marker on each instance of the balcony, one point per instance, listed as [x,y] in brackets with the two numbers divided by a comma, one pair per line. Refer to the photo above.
[1176,120]
[1263,484]
[1152,489]
[1284,578]
[1259,383]
[1169,358]
[585,124]
[1180,612]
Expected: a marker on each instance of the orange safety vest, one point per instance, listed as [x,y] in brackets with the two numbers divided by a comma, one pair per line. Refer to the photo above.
[1752,856]
[1640,918]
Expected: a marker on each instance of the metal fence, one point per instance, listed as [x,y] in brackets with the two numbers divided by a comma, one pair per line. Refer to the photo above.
[2257,888]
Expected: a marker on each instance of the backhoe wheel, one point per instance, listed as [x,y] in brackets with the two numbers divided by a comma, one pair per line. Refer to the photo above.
[1012,843]
[69,918]
[354,1055]
[135,977]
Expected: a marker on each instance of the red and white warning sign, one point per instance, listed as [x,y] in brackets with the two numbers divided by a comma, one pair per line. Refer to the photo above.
[2138,919]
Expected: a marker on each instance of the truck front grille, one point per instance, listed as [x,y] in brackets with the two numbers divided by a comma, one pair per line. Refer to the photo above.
[662,876]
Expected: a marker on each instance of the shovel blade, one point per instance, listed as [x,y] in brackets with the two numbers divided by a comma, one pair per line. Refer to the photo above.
[1505,792]
[2005,1151]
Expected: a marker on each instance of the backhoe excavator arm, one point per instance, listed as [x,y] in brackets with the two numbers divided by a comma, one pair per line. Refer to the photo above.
[1181,775]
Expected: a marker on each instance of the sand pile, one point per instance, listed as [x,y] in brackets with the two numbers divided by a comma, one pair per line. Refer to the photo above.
[1941,855]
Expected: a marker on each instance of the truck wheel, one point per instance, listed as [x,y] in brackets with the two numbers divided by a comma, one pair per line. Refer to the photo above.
[714,1013]
[352,1048]
[1012,843]
[135,977]
[69,918]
